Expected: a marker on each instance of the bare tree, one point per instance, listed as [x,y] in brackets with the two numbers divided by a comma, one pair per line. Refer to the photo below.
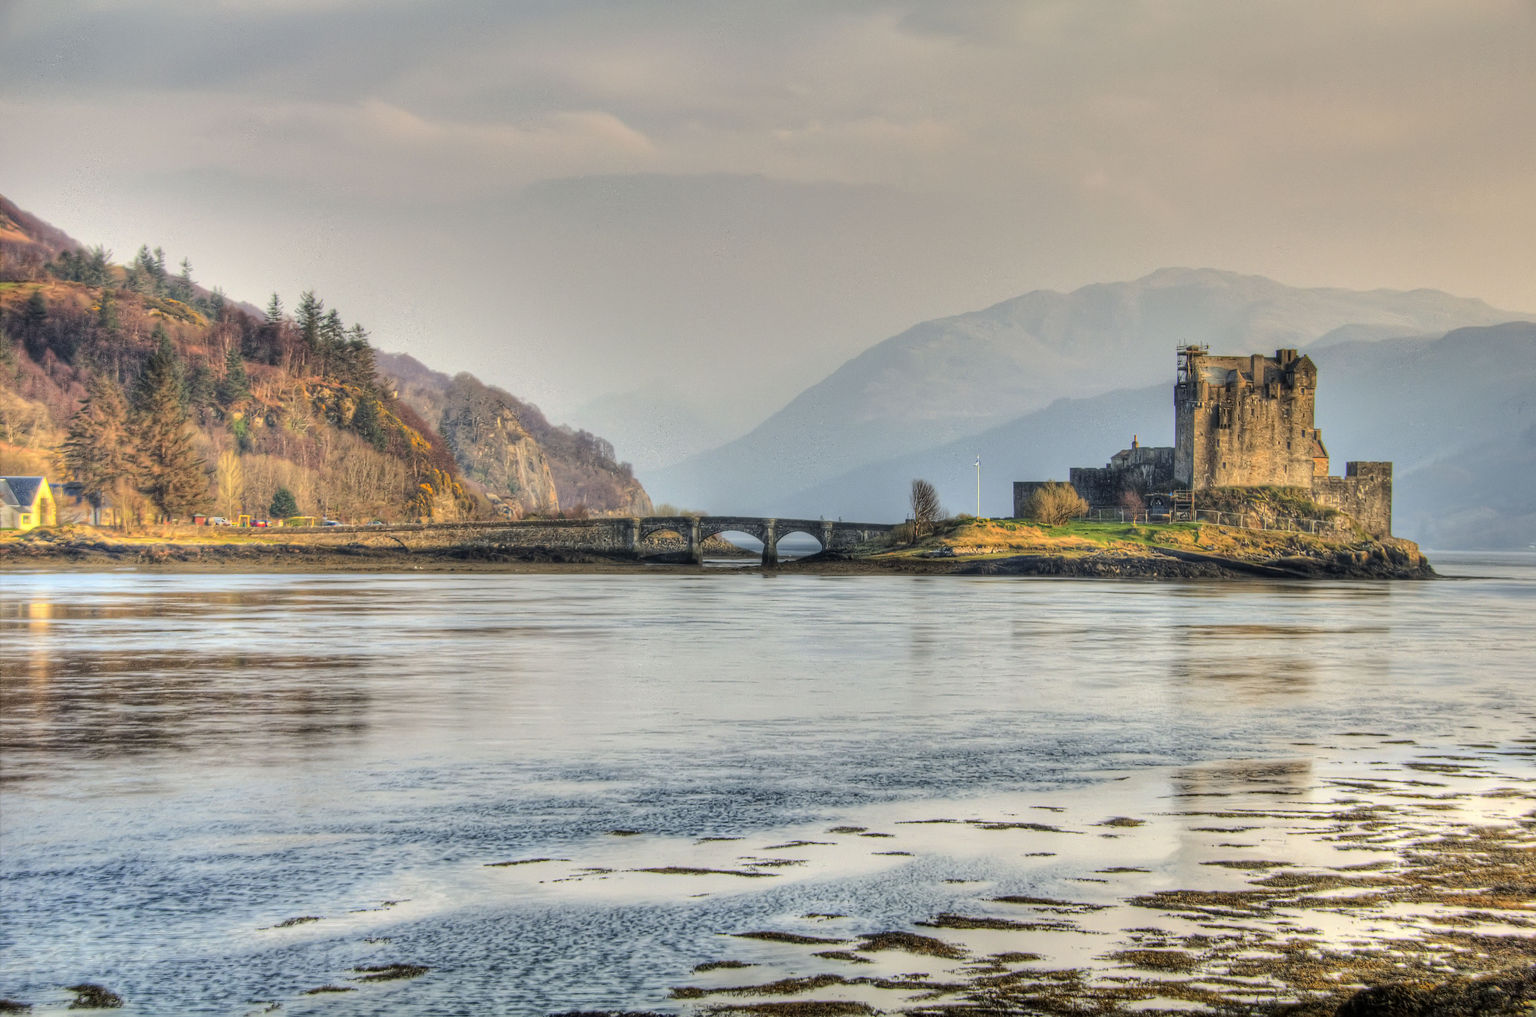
[925,508]
[229,480]
[1134,503]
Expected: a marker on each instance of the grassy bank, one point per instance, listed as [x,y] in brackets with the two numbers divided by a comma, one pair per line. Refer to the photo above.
[1092,547]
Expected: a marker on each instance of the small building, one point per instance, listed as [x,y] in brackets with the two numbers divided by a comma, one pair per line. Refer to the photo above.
[26,503]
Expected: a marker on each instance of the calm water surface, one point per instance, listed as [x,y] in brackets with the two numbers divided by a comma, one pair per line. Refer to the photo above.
[190,760]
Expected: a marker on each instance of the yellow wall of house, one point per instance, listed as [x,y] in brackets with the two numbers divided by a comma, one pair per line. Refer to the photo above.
[42,511]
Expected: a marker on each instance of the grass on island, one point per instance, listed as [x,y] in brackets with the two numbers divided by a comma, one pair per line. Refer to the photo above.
[969,537]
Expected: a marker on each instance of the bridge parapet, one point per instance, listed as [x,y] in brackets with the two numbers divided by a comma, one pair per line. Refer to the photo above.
[620,535]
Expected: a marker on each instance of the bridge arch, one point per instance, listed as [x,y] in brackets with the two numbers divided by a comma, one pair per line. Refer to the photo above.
[818,535]
[754,528]
[644,530]
[828,535]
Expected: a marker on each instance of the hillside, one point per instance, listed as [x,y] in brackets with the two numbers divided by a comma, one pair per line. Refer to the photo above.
[960,376]
[511,447]
[166,398]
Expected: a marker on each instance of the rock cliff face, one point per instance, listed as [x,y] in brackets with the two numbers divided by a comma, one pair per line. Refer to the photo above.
[494,449]
[508,447]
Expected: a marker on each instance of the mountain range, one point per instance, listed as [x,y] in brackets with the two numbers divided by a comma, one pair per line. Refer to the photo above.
[1046,381]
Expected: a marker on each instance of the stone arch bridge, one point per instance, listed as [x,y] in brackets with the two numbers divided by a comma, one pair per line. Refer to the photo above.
[619,535]
[833,536]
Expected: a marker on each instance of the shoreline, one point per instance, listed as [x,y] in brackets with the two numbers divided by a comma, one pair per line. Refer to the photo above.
[1380,560]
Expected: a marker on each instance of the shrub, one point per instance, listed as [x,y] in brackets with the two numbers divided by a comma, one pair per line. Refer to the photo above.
[283,504]
[1053,504]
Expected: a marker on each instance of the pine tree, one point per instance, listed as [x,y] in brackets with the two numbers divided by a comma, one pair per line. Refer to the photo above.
[106,314]
[147,273]
[361,369]
[170,471]
[283,504]
[184,286]
[163,367]
[367,423]
[333,343]
[309,316]
[98,451]
[235,386]
[265,344]
[95,267]
[200,389]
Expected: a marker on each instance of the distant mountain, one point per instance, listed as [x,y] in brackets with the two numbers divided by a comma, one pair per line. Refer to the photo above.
[660,425]
[510,448]
[1455,413]
[955,377]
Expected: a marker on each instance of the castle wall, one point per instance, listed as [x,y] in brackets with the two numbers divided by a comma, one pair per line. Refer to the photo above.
[1245,421]
[1142,470]
[1364,493]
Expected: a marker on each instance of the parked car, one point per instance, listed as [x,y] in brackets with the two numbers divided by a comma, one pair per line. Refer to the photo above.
[329,522]
[217,521]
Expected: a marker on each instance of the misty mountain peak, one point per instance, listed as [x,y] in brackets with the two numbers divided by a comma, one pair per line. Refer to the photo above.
[945,379]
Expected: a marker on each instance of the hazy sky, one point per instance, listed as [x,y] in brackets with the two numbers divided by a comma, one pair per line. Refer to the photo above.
[572,199]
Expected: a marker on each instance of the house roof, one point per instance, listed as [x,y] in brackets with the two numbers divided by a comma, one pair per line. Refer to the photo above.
[20,492]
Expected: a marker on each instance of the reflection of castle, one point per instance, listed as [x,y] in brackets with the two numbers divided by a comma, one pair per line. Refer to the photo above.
[1238,422]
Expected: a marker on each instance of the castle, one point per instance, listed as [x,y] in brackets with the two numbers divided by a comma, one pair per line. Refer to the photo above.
[1238,422]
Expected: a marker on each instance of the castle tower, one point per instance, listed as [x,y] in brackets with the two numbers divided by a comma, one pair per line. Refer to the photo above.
[1246,421]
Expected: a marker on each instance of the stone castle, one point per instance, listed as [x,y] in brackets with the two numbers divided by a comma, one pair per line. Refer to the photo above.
[1238,422]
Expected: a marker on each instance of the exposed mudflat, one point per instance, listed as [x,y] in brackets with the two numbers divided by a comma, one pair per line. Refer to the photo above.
[1383,883]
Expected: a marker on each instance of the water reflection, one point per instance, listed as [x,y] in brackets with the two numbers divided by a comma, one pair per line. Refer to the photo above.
[74,706]
[312,745]
[116,674]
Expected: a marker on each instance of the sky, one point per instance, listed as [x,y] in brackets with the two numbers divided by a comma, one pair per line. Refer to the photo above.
[715,204]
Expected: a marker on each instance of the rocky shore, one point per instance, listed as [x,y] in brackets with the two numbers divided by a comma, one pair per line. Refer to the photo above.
[1375,562]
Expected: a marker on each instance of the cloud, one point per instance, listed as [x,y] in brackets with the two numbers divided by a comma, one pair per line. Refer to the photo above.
[888,157]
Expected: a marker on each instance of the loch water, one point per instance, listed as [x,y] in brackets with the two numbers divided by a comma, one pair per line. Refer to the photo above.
[219,792]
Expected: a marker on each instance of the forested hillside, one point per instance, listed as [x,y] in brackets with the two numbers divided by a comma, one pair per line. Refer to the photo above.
[164,398]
